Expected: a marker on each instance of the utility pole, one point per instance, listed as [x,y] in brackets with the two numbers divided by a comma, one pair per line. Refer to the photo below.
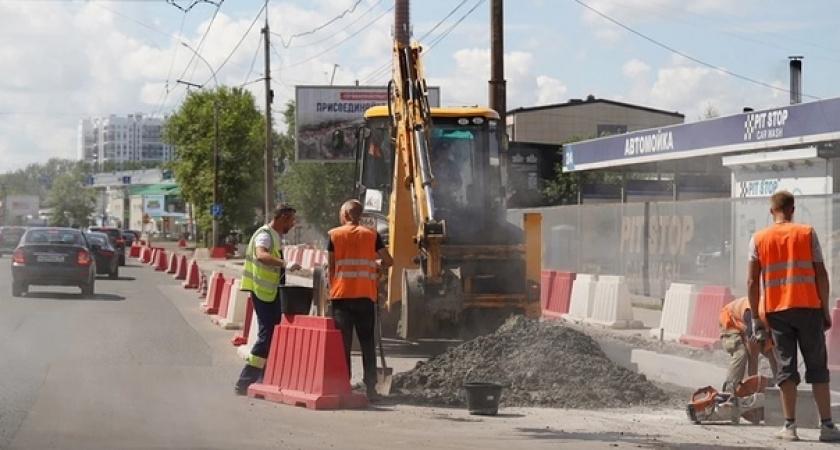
[216,166]
[269,96]
[498,92]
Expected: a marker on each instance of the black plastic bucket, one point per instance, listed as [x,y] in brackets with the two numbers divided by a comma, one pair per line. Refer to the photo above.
[483,398]
[295,299]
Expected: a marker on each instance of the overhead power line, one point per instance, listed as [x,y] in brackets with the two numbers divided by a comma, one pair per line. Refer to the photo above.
[244,35]
[687,56]
[319,27]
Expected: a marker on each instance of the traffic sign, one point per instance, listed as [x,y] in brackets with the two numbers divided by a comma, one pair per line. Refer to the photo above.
[216,210]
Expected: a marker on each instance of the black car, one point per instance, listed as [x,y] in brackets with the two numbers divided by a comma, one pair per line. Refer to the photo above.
[117,240]
[53,257]
[129,237]
[107,259]
[9,238]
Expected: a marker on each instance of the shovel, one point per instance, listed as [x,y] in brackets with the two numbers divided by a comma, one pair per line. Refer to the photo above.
[384,374]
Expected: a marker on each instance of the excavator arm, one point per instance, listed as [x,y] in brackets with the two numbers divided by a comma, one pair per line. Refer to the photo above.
[411,119]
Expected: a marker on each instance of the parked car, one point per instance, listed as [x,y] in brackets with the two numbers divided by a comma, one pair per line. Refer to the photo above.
[129,237]
[9,239]
[117,240]
[107,259]
[53,257]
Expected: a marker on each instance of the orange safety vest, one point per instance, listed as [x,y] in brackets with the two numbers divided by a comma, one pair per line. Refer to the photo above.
[354,254]
[787,267]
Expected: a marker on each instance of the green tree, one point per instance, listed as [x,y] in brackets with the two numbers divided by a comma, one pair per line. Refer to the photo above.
[316,189]
[71,202]
[565,186]
[241,138]
[37,178]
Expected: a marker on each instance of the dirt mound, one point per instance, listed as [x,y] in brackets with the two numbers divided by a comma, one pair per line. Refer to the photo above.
[542,363]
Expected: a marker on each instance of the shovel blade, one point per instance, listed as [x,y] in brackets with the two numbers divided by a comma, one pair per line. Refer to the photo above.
[384,379]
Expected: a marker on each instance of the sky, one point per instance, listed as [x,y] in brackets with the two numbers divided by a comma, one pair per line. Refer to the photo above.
[67,60]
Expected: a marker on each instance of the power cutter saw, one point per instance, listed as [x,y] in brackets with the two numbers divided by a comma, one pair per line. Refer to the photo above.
[708,405]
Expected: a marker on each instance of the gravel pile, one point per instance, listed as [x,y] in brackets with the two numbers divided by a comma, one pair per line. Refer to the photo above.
[544,364]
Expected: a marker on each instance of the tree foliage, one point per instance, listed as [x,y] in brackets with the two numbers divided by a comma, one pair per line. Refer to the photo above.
[316,189]
[71,202]
[241,138]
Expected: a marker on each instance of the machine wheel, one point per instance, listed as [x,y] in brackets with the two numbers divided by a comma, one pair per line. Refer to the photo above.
[114,274]
[18,289]
[414,322]
[121,261]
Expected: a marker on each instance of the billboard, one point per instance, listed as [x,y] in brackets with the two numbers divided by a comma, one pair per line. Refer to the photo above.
[22,205]
[326,118]
[154,204]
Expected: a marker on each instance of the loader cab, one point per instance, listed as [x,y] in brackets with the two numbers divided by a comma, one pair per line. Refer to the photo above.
[466,165]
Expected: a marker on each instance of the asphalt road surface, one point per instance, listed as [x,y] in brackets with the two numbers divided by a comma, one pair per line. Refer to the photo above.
[140,367]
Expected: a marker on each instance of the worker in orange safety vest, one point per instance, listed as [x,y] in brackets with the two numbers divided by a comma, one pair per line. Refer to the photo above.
[737,339]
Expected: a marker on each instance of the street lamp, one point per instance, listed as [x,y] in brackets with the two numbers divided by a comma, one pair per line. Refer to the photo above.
[215,140]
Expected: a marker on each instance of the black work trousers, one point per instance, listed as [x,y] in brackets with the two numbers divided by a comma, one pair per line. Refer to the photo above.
[358,314]
[268,316]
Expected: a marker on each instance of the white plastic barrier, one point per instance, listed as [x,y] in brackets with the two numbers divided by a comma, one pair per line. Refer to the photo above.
[583,295]
[245,350]
[677,312]
[237,302]
[612,306]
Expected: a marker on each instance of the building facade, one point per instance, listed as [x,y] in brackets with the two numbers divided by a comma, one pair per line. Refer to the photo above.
[135,138]
[583,119]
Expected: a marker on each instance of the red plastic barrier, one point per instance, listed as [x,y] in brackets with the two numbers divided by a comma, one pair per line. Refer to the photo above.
[182,243]
[241,338]
[192,278]
[134,251]
[214,293]
[832,339]
[218,253]
[172,266]
[153,256]
[145,255]
[705,326]
[160,261]
[224,301]
[306,366]
[554,300]
[181,273]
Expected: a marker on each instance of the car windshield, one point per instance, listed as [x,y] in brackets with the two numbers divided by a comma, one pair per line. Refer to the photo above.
[59,237]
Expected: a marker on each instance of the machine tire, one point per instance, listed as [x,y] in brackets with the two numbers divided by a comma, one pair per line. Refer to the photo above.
[413,320]
[18,289]
[114,274]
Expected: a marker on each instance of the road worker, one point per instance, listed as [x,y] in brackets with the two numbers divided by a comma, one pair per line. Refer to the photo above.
[264,270]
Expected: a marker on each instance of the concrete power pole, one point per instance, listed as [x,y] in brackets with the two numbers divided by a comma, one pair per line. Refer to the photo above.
[269,97]
[402,22]
[498,93]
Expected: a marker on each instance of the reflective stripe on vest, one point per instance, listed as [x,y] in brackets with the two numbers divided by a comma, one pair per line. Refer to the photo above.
[256,361]
[354,257]
[259,278]
[788,276]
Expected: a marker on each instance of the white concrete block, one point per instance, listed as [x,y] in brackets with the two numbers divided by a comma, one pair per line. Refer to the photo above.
[807,415]
[677,312]
[583,294]
[611,306]
[237,302]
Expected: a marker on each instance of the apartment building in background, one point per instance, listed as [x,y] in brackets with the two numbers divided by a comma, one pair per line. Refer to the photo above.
[134,138]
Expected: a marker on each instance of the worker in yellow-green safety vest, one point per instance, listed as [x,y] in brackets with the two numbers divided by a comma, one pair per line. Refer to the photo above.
[264,270]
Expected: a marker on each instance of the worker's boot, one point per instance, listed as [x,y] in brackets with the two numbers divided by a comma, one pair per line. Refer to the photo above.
[249,376]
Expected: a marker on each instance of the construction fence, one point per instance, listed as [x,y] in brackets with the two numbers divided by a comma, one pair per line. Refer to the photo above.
[654,244]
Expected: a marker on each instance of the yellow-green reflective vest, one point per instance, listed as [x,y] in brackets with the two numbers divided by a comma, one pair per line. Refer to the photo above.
[257,277]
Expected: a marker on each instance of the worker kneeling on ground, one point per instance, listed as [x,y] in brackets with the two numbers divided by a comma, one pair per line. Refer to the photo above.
[353,274]
[739,341]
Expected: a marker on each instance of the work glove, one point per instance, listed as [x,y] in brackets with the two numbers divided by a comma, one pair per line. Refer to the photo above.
[293,267]
[759,333]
